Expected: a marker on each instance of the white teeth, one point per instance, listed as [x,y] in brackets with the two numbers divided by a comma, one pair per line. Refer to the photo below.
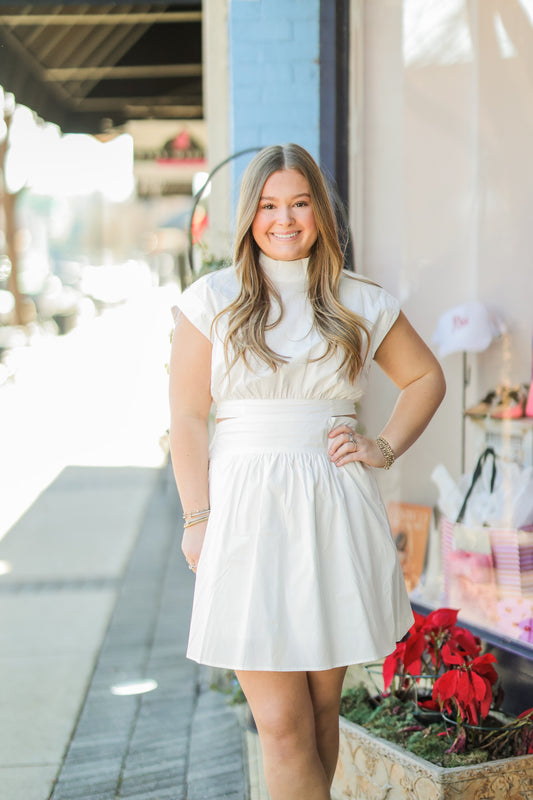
[285,235]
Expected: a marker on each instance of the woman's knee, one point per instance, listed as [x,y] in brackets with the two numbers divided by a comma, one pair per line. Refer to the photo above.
[285,726]
[282,708]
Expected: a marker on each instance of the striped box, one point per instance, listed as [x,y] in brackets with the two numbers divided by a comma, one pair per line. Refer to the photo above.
[478,591]
[513,561]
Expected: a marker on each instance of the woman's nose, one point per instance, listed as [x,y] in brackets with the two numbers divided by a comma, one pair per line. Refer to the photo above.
[286,215]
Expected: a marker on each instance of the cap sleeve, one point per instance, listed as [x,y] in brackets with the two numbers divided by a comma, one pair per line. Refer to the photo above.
[387,309]
[196,302]
[375,305]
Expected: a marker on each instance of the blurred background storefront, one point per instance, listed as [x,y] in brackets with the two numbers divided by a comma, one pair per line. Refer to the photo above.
[441,186]
[103,143]
[442,183]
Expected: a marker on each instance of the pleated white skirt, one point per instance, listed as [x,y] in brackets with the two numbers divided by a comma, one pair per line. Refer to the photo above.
[298,570]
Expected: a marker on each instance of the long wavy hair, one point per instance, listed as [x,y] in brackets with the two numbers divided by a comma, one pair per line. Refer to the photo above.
[248,314]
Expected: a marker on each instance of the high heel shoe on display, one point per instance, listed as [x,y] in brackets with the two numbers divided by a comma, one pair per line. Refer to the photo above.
[484,407]
[503,402]
[512,403]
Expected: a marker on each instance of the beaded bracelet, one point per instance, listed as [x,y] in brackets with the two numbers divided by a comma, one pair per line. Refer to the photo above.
[387,451]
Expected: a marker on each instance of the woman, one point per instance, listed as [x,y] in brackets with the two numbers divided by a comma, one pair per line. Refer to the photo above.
[297,572]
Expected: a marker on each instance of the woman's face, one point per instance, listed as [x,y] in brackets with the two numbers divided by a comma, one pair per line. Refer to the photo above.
[284,226]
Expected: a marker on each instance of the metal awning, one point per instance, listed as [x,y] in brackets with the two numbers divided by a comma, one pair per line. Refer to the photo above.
[92,66]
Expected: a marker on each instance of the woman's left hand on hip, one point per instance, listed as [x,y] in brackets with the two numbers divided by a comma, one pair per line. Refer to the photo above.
[345,446]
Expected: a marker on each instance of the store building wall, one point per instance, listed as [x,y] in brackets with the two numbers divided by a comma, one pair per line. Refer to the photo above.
[216,105]
[274,73]
[442,191]
[261,87]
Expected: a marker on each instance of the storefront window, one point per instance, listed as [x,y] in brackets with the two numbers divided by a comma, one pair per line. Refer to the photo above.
[441,210]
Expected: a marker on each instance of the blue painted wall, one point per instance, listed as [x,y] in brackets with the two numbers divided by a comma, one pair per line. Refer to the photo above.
[274,75]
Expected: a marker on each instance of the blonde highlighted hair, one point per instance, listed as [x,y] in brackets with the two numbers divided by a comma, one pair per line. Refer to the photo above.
[248,314]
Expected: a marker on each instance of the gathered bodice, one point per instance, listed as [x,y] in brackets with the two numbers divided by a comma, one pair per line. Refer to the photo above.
[305,374]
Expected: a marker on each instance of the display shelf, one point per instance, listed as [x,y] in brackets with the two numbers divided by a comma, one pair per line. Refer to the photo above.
[511,439]
[490,636]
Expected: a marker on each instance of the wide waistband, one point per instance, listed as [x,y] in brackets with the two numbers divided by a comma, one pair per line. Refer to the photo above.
[281,406]
[262,426]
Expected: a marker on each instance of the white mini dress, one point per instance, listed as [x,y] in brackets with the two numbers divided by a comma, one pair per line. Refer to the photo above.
[298,570]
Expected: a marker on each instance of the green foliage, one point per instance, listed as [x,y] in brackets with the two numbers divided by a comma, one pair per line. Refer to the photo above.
[211,263]
[237,696]
[394,720]
[357,705]
[226,682]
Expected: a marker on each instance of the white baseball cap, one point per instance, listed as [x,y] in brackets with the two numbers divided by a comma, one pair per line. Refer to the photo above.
[469,327]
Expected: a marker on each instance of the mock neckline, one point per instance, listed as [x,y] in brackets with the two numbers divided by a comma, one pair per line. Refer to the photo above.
[284,271]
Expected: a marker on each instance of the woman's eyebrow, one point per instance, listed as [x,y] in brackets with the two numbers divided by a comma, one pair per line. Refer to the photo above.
[301,194]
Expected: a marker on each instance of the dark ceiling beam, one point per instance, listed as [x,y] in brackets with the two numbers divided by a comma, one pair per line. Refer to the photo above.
[151,110]
[47,41]
[18,20]
[31,35]
[112,103]
[32,69]
[74,54]
[116,73]
[57,45]
[20,79]
[111,49]
[103,46]
[100,6]
[51,39]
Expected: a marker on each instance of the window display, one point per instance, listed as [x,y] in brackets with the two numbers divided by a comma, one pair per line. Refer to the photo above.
[486,527]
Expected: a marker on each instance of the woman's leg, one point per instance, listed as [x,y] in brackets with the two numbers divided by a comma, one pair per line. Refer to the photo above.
[325,688]
[285,718]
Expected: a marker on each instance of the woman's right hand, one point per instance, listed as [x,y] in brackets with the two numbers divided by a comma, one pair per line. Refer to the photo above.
[191,543]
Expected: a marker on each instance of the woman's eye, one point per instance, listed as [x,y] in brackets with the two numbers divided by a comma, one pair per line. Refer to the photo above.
[301,204]
[267,206]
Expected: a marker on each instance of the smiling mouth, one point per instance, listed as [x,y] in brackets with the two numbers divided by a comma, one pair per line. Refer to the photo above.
[285,237]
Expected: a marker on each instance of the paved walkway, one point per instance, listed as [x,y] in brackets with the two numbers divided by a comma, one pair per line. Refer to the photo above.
[100,598]
[93,590]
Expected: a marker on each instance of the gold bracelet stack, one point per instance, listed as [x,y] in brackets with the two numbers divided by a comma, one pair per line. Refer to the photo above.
[388,452]
[191,518]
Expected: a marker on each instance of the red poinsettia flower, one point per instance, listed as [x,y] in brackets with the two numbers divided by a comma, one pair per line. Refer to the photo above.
[483,666]
[468,688]
[433,642]
[438,628]
[405,659]
[464,639]
[452,657]
[414,648]
[429,705]
[392,665]
[419,622]
[443,618]
[460,648]
[424,644]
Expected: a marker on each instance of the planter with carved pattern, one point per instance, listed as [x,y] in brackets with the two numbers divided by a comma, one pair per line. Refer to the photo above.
[374,769]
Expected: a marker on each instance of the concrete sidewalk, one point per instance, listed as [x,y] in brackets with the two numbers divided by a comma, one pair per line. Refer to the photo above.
[98,597]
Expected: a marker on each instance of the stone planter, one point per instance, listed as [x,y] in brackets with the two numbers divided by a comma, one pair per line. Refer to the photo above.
[374,769]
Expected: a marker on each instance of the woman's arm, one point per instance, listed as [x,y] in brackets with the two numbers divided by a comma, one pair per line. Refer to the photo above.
[190,402]
[409,363]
